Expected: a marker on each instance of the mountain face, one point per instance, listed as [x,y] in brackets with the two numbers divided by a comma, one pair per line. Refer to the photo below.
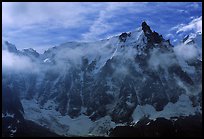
[87,88]
[9,47]
[161,127]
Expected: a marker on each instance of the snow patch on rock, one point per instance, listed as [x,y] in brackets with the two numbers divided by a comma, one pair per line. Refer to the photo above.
[183,107]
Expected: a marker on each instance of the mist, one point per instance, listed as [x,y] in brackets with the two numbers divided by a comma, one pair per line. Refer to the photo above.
[186,52]
[160,60]
[12,62]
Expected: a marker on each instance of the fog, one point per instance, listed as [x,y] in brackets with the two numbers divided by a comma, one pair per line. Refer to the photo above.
[186,52]
[161,60]
[12,62]
[70,55]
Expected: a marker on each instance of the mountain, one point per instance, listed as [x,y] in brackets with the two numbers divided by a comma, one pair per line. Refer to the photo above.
[89,88]
[31,52]
[9,47]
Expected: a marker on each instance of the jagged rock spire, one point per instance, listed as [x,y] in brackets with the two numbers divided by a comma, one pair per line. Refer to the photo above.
[152,37]
[146,28]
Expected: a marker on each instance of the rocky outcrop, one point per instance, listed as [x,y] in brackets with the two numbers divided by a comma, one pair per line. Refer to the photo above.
[152,37]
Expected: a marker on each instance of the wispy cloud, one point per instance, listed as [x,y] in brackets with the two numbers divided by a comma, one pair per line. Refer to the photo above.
[55,14]
[114,15]
[190,51]
[43,24]
[14,62]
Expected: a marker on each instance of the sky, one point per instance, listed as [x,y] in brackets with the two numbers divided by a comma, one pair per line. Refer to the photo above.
[41,25]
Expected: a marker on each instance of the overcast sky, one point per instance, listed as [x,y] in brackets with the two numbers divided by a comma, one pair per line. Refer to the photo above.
[41,25]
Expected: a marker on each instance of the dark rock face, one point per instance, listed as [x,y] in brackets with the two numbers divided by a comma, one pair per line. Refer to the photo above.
[24,128]
[190,42]
[11,102]
[176,69]
[127,102]
[186,38]
[152,37]
[124,36]
[31,52]
[146,28]
[156,37]
[10,47]
[183,127]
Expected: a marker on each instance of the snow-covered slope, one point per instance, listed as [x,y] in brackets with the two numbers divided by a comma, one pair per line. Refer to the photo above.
[87,88]
[192,45]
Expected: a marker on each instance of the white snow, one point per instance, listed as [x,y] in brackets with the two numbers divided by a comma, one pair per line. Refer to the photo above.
[7,115]
[183,107]
[47,60]
[18,121]
[130,104]
[102,126]
[148,123]
[64,125]
[13,130]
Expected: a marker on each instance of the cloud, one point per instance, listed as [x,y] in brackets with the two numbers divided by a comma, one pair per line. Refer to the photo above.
[53,14]
[108,19]
[39,24]
[13,62]
[100,25]
[169,36]
[160,60]
[186,51]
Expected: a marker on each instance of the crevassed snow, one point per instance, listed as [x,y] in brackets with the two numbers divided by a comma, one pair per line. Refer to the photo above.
[64,125]
[183,107]
[102,126]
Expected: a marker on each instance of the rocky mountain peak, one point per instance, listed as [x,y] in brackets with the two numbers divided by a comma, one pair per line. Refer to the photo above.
[152,37]
[124,36]
[146,28]
[31,51]
[10,47]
